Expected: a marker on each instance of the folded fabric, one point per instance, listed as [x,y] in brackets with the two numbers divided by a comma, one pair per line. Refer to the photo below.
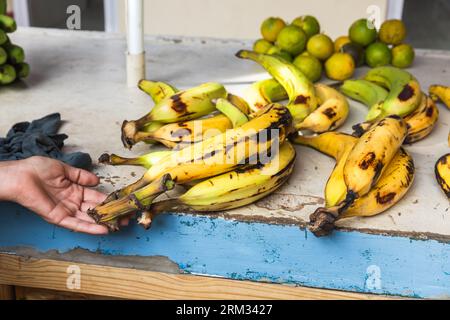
[40,138]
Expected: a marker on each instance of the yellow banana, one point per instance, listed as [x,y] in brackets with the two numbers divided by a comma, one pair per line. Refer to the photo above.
[393,184]
[442,171]
[263,92]
[440,92]
[146,160]
[230,190]
[157,90]
[184,105]
[302,96]
[421,122]
[220,153]
[363,168]
[331,114]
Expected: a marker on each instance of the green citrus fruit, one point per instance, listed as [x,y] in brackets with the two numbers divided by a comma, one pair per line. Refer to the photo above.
[262,46]
[320,46]
[362,32]
[275,51]
[292,39]
[392,32]
[340,66]
[309,25]
[402,56]
[271,27]
[310,66]
[378,54]
[340,42]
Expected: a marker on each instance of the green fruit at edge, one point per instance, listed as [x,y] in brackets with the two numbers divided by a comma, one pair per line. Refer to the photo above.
[15,53]
[271,27]
[292,39]
[378,54]
[3,37]
[3,56]
[402,56]
[7,74]
[356,51]
[262,46]
[275,51]
[7,23]
[310,66]
[320,46]
[309,25]
[22,70]
[362,32]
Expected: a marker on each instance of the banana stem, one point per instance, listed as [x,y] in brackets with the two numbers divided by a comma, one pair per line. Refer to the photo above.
[146,161]
[138,200]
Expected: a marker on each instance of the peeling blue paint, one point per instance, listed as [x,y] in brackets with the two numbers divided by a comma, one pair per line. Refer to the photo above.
[258,251]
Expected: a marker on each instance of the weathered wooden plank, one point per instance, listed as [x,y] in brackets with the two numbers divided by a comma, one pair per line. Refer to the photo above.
[6,292]
[137,284]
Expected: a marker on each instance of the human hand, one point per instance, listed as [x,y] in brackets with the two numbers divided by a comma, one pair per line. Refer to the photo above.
[57,192]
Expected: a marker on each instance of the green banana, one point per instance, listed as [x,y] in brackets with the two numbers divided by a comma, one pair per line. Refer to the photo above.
[404,92]
[22,69]
[7,23]
[302,96]
[233,113]
[263,92]
[230,190]
[184,105]
[157,90]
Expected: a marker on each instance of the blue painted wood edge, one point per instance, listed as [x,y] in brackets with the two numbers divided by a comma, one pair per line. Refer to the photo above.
[351,261]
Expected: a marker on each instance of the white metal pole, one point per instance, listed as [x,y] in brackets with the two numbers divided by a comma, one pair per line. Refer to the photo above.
[135,36]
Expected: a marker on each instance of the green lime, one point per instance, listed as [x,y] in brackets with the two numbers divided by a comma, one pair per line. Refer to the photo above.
[292,39]
[340,66]
[402,56]
[275,51]
[362,32]
[340,42]
[3,37]
[3,56]
[310,66]
[271,27]
[262,46]
[22,70]
[320,46]
[378,54]
[392,32]
[309,25]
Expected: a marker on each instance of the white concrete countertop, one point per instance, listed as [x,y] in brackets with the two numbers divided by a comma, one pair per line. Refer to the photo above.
[82,76]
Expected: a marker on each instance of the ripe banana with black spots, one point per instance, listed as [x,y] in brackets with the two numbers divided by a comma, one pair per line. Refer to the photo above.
[363,167]
[331,114]
[157,90]
[442,171]
[332,111]
[440,92]
[182,106]
[422,121]
[302,96]
[221,153]
[393,184]
[404,92]
[230,190]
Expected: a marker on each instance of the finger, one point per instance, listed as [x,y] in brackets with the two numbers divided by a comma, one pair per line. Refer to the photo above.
[83,216]
[80,176]
[79,225]
[90,195]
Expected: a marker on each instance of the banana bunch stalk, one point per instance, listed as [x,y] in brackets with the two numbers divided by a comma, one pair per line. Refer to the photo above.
[230,190]
[12,57]
[366,170]
[420,122]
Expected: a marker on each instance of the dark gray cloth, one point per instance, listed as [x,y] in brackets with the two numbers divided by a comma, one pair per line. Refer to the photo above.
[40,138]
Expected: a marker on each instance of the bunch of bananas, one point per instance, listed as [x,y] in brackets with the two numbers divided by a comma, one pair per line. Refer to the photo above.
[227,150]
[12,57]
[392,91]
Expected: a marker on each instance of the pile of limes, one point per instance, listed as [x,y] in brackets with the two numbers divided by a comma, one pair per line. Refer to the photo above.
[312,52]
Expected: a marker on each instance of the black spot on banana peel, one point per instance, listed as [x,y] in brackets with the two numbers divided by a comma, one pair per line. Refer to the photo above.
[367,161]
[177,104]
[330,113]
[442,172]
[383,199]
[406,93]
